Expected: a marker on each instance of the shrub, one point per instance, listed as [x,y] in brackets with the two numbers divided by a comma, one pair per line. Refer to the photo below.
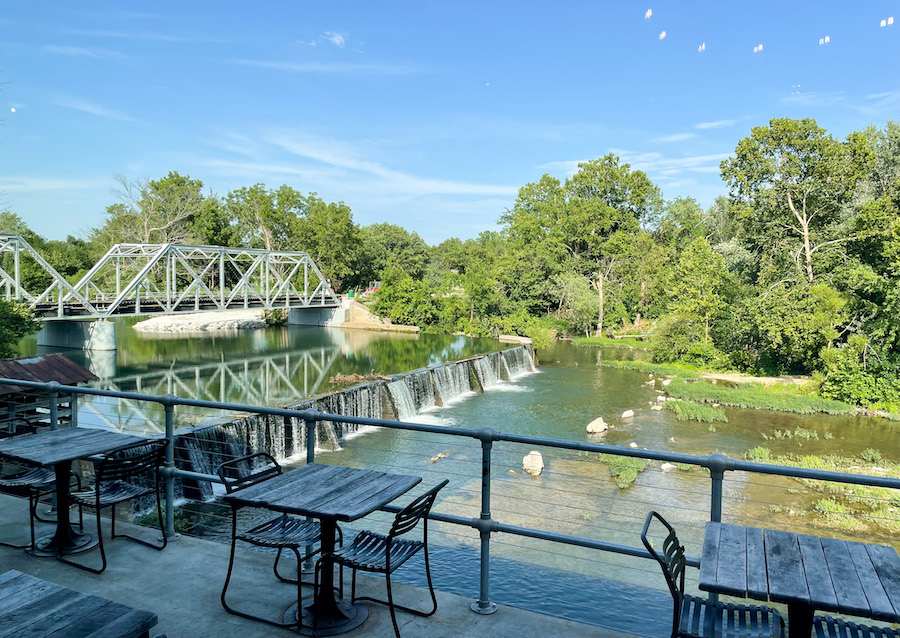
[871,456]
[759,454]
[276,316]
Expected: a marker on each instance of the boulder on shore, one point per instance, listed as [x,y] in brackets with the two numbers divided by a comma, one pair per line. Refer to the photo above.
[597,426]
[533,463]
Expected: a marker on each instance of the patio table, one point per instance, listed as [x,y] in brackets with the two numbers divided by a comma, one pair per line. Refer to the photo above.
[59,448]
[330,493]
[34,608]
[808,573]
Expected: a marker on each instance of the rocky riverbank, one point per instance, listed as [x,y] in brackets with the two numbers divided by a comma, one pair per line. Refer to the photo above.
[227,320]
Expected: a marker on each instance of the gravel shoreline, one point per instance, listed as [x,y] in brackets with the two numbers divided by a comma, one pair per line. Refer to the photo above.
[204,322]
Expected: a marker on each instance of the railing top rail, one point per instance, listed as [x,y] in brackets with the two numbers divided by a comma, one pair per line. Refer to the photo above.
[715,462]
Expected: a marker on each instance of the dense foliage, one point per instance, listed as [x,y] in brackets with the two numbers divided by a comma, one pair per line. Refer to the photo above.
[796,271]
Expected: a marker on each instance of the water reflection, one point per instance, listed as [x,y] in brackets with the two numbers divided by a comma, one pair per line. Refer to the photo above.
[271,366]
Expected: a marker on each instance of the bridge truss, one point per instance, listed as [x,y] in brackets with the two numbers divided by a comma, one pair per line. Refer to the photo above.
[143,279]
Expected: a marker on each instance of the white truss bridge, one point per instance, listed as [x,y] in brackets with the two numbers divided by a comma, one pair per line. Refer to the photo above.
[150,279]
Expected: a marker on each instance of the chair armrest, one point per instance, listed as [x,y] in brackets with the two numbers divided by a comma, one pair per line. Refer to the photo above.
[239,472]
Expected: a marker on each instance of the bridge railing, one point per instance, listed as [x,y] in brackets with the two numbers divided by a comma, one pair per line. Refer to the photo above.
[719,468]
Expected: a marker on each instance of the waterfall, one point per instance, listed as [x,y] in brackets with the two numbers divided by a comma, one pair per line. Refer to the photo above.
[487,374]
[404,403]
[517,361]
[452,381]
[420,388]
[201,448]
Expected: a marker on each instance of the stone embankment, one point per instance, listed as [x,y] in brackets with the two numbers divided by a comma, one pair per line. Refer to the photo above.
[226,320]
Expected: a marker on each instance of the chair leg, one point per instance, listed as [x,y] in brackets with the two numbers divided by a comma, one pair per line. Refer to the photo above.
[242,614]
[94,570]
[387,578]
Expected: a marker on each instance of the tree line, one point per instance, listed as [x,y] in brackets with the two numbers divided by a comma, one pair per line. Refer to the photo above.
[796,270]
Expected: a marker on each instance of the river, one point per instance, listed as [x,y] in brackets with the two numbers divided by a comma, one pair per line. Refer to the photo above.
[574,495]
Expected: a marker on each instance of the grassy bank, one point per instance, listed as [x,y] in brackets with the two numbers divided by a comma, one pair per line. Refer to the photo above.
[690,411]
[625,342]
[783,397]
[850,508]
[662,370]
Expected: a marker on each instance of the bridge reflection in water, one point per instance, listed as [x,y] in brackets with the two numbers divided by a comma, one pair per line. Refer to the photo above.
[273,366]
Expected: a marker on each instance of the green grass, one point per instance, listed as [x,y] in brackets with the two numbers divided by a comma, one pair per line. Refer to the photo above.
[781,397]
[659,369]
[624,469]
[690,411]
[627,342]
[843,506]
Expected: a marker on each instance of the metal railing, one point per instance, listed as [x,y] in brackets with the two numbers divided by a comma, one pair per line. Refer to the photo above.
[718,465]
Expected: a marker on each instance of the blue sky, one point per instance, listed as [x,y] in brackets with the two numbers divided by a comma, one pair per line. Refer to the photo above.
[430,115]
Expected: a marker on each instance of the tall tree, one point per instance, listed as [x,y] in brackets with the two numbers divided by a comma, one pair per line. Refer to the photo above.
[266,218]
[151,211]
[791,181]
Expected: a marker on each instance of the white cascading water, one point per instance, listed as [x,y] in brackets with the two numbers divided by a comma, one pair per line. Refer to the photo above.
[452,381]
[404,403]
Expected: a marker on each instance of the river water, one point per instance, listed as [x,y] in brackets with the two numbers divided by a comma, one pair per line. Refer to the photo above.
[574,495]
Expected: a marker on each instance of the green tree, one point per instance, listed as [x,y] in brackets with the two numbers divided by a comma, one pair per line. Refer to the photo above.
[151,212]
[328,234]
[387,246]
[266,218]
[700,284]
[790,181]
[16,321]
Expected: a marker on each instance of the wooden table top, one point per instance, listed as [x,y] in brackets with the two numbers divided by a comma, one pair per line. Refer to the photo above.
[825,573]
[67,444]
[34,608]
[326,491]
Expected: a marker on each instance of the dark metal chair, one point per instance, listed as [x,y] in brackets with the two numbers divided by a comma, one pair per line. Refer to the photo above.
[34,483]
[828,627]
[692,616]
[371,552]
[281,533]
[110,488]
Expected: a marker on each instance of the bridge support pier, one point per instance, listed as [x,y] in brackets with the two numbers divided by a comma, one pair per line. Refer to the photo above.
[83,335]
[313,316]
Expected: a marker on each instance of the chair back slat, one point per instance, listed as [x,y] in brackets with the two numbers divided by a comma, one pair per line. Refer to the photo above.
[671,560]
[130,461]
[247,470]
[410,515]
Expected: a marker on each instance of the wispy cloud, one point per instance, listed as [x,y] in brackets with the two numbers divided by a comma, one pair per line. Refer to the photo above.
[81,52]
[814,98]
[369,68]
[715,124]
[337,39]
[344,156]
[879,102]
[80,104]
[20,184]
[677,137]
[654,164]
[145,35]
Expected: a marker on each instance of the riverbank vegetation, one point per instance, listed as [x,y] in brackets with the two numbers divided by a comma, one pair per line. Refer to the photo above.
[842,506]
[796,271]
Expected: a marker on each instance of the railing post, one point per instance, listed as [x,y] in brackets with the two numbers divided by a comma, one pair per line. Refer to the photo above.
[310,439]
[169,469]
[718,463]
[484,605]
[53,396]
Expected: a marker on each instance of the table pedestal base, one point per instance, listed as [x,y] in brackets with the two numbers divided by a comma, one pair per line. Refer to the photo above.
[75,544]
[343,617]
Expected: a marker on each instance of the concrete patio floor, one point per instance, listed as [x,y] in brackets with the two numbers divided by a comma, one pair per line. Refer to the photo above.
[182,585]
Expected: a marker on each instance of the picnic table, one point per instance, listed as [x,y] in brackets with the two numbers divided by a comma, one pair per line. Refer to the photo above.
[808,573]
[330,493]
[59,448]
[34,608]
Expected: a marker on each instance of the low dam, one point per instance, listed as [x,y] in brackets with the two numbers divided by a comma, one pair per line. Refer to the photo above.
[398,397]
